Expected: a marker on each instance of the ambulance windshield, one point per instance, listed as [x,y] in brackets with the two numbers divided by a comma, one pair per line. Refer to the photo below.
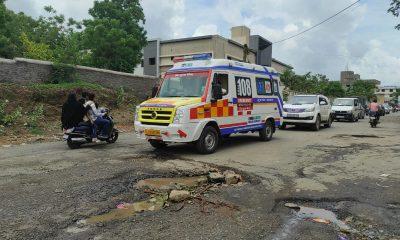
[184,85]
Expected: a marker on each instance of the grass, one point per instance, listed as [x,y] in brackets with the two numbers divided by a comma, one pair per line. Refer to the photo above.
[66,86]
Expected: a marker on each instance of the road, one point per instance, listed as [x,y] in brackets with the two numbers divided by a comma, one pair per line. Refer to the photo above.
[350,169]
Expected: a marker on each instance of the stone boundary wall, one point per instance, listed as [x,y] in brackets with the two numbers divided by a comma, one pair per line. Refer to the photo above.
[25,71]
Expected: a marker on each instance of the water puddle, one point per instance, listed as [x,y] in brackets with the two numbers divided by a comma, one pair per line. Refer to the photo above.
[318,215]
[127,210]
[321,216]
[171,183]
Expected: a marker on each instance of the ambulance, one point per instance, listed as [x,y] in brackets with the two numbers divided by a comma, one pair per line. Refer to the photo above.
[203,100]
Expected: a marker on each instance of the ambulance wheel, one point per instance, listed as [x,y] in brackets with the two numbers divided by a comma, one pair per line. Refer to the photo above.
[208,141]
[267,132]
[157,144]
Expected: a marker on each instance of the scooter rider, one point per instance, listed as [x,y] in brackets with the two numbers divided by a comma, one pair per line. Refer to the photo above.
[374,109]
[96,117]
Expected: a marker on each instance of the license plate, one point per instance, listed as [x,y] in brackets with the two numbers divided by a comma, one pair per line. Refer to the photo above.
[293,115]
[339,116]
[152,132]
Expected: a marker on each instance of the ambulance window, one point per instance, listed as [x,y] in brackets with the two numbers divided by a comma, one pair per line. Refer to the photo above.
[276,87]
[222,79]
[264,86]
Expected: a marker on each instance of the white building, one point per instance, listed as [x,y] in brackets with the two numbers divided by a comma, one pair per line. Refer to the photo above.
[386,93]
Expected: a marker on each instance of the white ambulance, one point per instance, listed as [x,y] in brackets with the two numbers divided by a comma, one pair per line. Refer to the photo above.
[202,100]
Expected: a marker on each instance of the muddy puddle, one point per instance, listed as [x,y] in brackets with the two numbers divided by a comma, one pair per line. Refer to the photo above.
[317,215]
[171,183]
[126,210]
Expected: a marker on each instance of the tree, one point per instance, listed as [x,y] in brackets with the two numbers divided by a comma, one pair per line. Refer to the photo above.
[39,51]
[12,25]
[312,84]
[362,88]
[395,10]
[115,36]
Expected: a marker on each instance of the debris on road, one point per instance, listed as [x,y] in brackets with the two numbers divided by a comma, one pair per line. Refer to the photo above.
[168,184]
[320,220]
[216,177]
[231,177]
[292,205]
[178,195]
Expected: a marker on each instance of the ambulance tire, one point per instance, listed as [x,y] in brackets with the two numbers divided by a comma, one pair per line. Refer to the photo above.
[267,131]
[157,144]
[208,141]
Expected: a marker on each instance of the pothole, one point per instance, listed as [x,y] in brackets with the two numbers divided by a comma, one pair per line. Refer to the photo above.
[164,192]
[356,136]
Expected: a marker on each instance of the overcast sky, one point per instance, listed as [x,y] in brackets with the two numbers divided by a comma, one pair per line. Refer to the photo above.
[363,38]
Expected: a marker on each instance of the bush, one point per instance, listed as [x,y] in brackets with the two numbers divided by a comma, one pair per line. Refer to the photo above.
[120,96]
[35,116]
[10,119]
[62,73]
[3,104]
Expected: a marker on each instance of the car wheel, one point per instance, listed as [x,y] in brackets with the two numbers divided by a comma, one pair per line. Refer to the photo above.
[317,124]
[208,141]
[329,123]
[267,132]
[157,144]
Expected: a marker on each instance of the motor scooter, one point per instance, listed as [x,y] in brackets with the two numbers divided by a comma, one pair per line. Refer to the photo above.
[81,134]
[373,119]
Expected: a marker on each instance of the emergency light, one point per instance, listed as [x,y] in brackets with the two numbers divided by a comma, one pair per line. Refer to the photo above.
[204,56]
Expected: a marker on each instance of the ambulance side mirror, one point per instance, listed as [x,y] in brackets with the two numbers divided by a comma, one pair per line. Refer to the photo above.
[154,91]
[216,92]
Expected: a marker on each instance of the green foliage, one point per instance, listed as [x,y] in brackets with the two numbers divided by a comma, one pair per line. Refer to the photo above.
[362,88]
[312,84]
[395,10]
[12,118]
[35,116]
[115,35]
[39,51]
[120,96]
[62,73]
[3,104]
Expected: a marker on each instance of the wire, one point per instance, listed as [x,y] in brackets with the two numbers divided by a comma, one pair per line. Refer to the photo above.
[318,24]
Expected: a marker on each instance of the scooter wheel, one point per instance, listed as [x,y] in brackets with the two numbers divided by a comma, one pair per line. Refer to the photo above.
[113,137]
[73,145]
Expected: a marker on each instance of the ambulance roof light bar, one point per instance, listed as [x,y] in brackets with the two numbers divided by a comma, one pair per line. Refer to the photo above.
[204,56]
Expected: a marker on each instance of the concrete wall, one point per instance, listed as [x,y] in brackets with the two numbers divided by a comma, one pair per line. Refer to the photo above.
[25,71]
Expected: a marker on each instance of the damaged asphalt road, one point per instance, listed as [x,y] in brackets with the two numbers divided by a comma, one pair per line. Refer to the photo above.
[350,170]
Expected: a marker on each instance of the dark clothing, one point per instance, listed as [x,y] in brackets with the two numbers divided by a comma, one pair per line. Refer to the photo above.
[72,113]
[104,125]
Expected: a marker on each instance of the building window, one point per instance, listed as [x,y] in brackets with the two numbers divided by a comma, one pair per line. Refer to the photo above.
[383,90]
[391,90]
[142,63]
[152,61]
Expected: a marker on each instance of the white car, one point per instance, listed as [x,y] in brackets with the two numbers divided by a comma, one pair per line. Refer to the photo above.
[347,109]
[309,110]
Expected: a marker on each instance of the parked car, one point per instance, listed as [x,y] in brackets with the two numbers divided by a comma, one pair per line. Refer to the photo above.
[347,109]
[387,108]
[309,110]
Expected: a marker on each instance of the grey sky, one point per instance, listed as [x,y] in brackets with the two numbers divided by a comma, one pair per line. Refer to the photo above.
[362,38]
